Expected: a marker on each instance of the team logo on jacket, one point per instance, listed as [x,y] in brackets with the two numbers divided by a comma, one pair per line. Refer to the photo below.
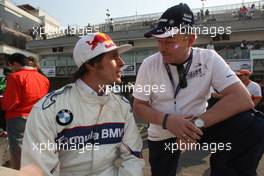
[64,117]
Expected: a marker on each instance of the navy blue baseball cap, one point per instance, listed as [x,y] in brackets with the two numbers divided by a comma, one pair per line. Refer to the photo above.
[172,19]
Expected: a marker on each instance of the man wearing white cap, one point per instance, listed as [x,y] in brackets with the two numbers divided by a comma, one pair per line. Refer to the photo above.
[82,129]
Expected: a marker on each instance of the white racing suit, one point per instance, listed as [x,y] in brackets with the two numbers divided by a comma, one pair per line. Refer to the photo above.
[74,133]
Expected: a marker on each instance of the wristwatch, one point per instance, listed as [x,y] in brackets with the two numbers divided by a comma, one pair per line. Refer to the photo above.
[198,122]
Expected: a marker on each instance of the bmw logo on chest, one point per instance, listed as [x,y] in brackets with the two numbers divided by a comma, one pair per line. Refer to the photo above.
[64,117]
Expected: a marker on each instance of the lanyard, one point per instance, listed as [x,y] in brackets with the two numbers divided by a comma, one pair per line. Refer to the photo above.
[182,75]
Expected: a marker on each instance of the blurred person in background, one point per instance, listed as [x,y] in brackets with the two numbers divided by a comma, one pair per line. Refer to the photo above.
[33,62]
[253,87]
[25,86]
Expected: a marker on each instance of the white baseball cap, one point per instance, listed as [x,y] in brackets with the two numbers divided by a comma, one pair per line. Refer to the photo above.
[94,44]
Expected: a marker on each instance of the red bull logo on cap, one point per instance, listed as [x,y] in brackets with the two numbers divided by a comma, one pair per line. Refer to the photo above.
[101,38]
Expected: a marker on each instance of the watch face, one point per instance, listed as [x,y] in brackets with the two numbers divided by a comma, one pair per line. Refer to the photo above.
[199,123]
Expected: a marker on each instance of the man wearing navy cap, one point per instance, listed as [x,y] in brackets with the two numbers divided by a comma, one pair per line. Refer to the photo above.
[179,114]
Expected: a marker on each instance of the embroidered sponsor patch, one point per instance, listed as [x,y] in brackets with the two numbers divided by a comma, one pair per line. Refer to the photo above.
[107,133]
[64,117]
[195,73]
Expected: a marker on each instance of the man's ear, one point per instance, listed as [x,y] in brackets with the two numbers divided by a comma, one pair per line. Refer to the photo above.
[89,67]
[192,39]
[16,65]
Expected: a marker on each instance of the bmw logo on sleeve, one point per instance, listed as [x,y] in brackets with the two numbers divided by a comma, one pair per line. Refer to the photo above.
[64,117]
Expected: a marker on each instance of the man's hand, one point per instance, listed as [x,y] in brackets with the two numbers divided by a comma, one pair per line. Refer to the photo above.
[183,128]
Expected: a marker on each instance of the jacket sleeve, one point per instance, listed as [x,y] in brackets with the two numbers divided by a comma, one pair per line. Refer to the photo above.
[131,149]
[12,94]
[39,147]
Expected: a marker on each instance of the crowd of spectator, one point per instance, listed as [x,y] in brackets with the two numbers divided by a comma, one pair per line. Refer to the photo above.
[244,45]
[247,13]
[203,15]
[249,45]
[235,51]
